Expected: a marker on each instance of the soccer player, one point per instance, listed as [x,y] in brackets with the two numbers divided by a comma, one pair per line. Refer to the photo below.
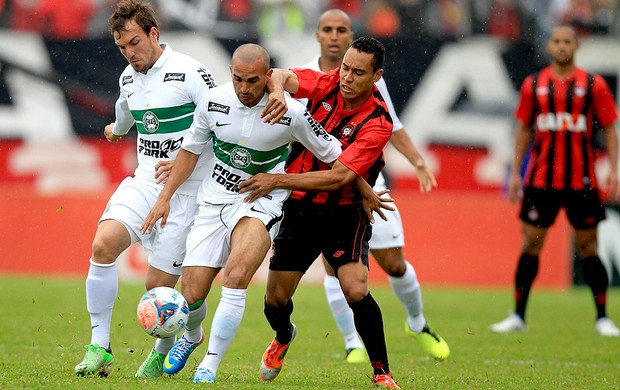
[558,107]
[334,35]
[227,232]
[159,91]
[330,221]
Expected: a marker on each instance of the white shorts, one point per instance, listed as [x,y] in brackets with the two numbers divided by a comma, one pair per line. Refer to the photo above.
[390,233]
[131,203]
[208,242]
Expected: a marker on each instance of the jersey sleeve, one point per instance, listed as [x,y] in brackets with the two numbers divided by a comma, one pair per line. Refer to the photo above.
[312,83]
[603,101]
[525,107]
[360,155]
[124,120]
[397,124]
[313,137]
[200,132]
[201,80]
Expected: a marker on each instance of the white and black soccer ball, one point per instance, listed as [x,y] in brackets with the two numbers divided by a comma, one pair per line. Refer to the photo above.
[162,312]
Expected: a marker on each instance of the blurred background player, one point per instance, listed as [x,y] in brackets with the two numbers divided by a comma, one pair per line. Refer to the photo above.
[334,34]
[558,106]
[161,88]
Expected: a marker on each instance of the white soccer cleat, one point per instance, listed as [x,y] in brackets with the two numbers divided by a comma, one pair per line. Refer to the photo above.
[512,324]
[605,327]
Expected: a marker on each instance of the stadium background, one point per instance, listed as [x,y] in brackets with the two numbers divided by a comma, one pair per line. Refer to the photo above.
[454,87]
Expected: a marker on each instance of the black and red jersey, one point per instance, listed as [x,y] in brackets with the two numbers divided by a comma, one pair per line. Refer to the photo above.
[562,111]
[363,132]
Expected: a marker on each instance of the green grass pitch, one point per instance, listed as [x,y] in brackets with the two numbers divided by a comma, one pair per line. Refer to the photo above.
[45,327]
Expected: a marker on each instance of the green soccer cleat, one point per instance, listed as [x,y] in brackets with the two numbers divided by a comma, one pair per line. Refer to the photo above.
[153,366]
[356,355]
[96,360]
[432,343]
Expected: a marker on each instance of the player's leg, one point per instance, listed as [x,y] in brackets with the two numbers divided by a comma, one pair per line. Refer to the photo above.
[595,275]
[368,318]
[206,253]
[165,266]
[153,365]
[111,239]
[249,243]
[608,243]
[584,211]
[354,348]
[404,282]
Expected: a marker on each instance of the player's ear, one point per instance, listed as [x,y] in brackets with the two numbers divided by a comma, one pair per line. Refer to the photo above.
[377,75]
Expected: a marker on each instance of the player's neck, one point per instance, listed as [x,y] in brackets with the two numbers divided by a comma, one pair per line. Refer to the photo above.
[563,70]
[325,65]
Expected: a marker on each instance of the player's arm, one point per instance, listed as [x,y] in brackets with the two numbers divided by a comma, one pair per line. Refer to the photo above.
[610,136]
[184,165]
[281,80]
[523,137]
[403,143]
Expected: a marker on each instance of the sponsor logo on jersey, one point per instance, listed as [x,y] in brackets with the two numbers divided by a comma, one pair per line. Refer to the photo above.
[347,131]
[561,121]
[159,149]
[226,178]
[174,77]
[286,121]
[127,80]
[216,107]
[327,107]
[206,76]
[218,124]
[541,91]
[150,122]
[318,130]
[240,158]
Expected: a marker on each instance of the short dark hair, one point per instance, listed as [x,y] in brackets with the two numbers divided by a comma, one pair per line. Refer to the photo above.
[138,10]
[372,46]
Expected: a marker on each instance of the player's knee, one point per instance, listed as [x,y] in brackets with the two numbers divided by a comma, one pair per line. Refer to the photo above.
[356,293]
[103,251]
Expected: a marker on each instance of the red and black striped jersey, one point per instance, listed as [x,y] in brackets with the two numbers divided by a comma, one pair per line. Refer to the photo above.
[363,132]
[562,111]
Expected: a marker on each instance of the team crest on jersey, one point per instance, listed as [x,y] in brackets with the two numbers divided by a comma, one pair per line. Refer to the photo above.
[580,91]
[174,77]
[127,80]
[218,108]
[327,107]
[240,158]
[150,122]
[286,121]
[347,131]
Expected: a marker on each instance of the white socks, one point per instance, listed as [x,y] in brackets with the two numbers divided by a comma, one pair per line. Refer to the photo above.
[193,328]
[101,292]
[407,289]
[226,321]
[342,312]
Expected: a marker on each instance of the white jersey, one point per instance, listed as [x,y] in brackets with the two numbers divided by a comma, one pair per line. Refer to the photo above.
[244,146]
[161,104]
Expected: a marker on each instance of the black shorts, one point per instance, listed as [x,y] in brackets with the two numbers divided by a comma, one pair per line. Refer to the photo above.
[341,233]
[540,207]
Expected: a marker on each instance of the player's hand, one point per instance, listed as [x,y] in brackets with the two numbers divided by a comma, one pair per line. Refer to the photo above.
[274,109]
[426,178]
[515,188]
[376,202]
[162,170]
[109,135]
[257,186]
[161,209]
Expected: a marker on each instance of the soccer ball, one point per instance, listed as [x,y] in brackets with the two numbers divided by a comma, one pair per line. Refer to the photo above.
[162,312]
